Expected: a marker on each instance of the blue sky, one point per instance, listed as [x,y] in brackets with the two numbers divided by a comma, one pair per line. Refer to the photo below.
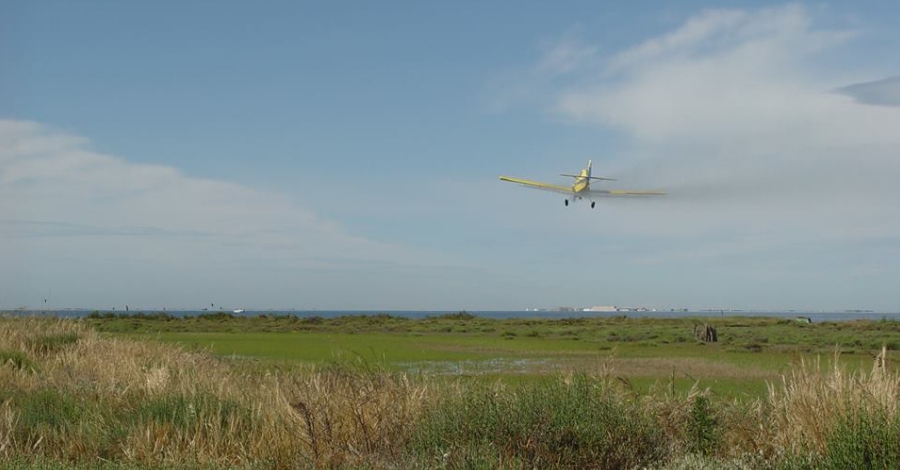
[344,155]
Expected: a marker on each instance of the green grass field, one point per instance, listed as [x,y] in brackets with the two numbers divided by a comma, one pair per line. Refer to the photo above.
[649,354]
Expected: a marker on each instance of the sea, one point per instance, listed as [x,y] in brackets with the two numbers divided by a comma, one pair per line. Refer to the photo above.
[813,316]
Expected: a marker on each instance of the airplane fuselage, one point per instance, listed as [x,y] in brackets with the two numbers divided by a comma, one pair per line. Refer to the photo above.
[582,182]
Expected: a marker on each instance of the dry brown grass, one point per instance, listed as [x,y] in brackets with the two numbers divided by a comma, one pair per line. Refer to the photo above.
[806,410]
[806,406]
[804,413]
[89,398]
[70,395]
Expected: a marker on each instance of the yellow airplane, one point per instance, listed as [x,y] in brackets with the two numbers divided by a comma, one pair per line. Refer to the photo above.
[581,188]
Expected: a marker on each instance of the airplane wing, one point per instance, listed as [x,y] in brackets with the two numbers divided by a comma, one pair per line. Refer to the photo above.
[538,185]
[622,192]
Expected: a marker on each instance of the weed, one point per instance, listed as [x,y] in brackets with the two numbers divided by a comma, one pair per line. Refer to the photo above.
[574,422]
[701,427]
[868,439]
[17,359]
[46,408]
[50,343]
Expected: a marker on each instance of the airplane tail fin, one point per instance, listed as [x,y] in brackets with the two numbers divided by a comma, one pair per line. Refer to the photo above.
[586,174]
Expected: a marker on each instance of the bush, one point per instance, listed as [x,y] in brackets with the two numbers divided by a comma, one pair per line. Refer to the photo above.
[867,440]
[701,427]
[577,423]
[462,315]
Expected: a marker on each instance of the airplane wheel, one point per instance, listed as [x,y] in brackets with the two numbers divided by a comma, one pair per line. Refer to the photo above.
[592,204]
[567,203]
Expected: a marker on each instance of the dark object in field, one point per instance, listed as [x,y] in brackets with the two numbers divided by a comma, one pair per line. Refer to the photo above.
[706,333]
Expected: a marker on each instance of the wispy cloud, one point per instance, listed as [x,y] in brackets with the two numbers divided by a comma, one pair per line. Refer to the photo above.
[561,58]
[695,32]
[564,56]
[53,178]
[63,204]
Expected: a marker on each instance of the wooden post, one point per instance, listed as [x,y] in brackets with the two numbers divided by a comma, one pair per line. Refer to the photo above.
[706,333]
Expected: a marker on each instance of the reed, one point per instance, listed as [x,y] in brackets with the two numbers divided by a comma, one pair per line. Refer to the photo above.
[73,398]
[834,417]
[101,399]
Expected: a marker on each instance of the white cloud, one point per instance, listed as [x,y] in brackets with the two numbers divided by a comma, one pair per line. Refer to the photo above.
[729,108]
[70,209]
[768,170]
[51,177]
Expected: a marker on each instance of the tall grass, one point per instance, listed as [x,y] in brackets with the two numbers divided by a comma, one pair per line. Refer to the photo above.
[70,397]
[353,415]
[834,418]
[577,422]
[98,399]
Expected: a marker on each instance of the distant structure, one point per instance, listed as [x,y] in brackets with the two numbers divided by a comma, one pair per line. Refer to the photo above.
[706,333]
[603,308]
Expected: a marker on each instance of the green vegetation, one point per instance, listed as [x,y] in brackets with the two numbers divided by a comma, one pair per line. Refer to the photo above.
[16,359]
[738,334]
[577,422]
[648,353]
[364,392]
[49,343]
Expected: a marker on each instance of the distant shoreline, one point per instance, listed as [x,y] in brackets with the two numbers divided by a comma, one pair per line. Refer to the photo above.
[846,315]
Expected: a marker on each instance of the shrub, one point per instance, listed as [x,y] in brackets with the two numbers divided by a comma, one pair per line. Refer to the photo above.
[701,427]
[462,315]
[870,439]
[580,422]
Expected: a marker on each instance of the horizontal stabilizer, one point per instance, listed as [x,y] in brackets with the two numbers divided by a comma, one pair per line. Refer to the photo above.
[589,177]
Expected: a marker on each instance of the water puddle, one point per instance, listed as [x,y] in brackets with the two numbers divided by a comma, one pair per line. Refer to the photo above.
[479,367]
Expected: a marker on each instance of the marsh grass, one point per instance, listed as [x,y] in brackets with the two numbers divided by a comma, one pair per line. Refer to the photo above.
[145,404]
[579,421]
[74,398]
[837,416]
[16,359]
[51,342]
[755,337]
